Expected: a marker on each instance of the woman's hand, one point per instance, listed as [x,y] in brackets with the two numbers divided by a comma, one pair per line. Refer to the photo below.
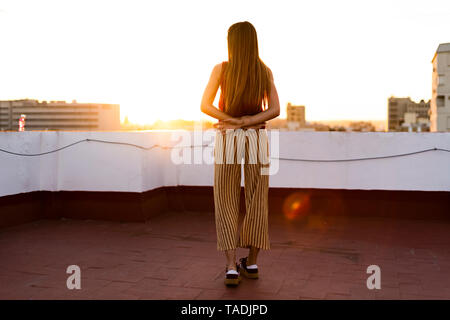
[223,126]
[236,123]
[241,121]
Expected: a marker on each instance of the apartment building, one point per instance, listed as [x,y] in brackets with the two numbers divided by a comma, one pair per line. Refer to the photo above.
[407,115]
[295,116]
[59,115]
[440,97]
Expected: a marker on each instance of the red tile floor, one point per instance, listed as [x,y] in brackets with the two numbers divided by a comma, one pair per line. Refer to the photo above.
[174,256]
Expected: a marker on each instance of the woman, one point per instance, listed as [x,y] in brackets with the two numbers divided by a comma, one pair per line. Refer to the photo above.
[248,99]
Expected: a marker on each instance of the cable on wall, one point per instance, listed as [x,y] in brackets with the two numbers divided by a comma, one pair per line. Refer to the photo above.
[207,145]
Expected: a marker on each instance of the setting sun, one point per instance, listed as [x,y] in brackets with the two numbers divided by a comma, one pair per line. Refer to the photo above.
[155,58]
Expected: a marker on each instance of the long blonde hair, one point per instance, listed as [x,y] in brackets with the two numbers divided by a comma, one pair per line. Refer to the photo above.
[246,79]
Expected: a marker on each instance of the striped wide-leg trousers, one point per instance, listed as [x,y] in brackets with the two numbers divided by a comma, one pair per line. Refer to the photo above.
[252,147]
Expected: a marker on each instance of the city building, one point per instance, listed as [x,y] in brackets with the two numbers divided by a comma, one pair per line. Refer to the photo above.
[295,116]
[407,115]
[59,115]
[440,97]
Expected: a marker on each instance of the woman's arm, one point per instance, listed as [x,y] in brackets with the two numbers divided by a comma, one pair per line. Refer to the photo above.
[210,94]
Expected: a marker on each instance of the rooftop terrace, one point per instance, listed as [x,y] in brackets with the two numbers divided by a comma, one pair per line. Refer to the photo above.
[141,227]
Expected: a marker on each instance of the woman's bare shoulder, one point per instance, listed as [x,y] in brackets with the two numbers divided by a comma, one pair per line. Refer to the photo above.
[217,70]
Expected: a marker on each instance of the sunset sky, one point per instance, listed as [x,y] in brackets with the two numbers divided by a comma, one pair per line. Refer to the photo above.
[342,59]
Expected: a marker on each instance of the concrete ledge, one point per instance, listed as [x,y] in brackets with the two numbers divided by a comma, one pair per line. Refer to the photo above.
[105,167]
[140,207]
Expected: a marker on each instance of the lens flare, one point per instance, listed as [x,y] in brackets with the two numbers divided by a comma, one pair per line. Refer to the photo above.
[296,205]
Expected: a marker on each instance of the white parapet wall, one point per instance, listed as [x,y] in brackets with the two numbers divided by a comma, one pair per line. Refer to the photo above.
[94,166]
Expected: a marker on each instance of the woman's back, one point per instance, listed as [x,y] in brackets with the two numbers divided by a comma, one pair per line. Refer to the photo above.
[243,107]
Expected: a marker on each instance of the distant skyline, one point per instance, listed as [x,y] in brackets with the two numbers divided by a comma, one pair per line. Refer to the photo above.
[341,59]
